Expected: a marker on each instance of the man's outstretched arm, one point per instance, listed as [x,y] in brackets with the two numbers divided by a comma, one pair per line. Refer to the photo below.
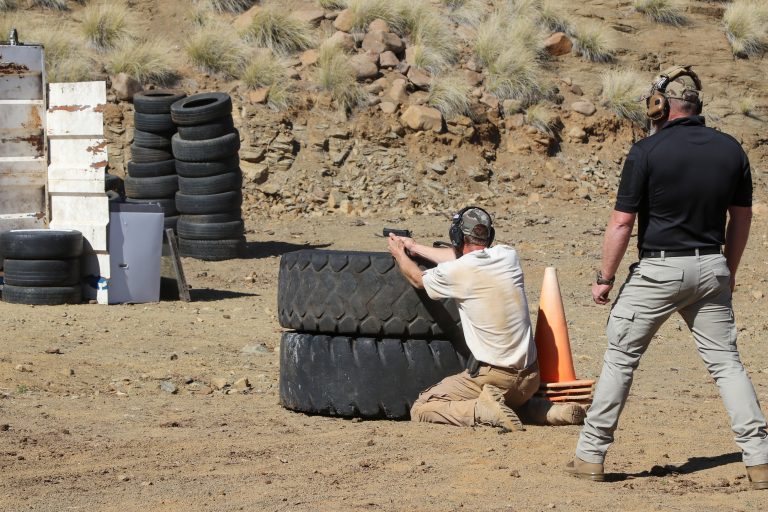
[433,254]
[407,266]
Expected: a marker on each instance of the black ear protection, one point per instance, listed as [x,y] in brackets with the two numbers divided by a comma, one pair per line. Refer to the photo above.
[457,235]
[657,102]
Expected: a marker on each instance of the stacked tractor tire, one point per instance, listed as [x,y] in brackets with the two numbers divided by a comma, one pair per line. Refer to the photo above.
[41,266]
[365,342]
[209,199]
[152,169]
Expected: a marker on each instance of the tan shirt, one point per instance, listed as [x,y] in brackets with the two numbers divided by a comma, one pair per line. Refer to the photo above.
[488,288]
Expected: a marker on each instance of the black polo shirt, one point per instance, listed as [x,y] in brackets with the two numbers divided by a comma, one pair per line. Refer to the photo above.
[681,181]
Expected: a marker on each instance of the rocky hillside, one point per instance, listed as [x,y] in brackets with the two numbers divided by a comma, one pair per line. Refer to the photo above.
[397,149]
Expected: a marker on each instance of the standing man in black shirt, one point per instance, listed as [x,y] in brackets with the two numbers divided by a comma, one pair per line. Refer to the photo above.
[682,182]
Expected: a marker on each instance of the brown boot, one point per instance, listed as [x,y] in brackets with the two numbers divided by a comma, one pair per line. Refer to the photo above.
[490,409]
[758,475]
[543,412]
[585,470]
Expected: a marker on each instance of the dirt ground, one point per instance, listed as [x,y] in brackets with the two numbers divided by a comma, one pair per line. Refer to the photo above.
[89,427]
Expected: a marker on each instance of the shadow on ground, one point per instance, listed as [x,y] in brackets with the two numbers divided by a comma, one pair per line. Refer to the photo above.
[693,465]
[210,295]
[256,250]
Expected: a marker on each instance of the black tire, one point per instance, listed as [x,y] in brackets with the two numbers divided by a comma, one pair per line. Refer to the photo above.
[156,101]
[358,293]
[155,123]
[211,184]
[201,108]
[152,140]
[205,150]
[146,155]
[210,231]
[151,169]
[151,188]
[42,295]
[211,203]
[113,183]
[213,218]
[167,204]
[41,244]
[364,377]
[114,197]
[42,272]
[210,168]
[171,222]
[211,130]
[211,250]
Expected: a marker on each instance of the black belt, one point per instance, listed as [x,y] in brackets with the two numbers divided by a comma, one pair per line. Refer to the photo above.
[702,251]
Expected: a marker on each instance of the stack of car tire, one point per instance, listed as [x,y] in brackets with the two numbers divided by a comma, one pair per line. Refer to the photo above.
[41,266]
[209,199]
[152,169]
[365,342]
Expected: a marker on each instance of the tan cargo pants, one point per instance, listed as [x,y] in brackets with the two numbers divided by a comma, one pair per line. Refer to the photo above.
[452,400]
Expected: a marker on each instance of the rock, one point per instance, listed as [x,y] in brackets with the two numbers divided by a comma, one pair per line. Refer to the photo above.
[388,59]
[419,78]
[346,207]
[472,65]
[344,21]
[53,350]
[378,24]
[309,57]
[575,89]
[757,294]
[259,95]
[168,387]
[4,427]
[473,78]
[438,168]
[398,92]
[377,86]
[67,372]
[374,42]
[558,44]
[583,107]
[219,383]
[363,67]
[490,100]
[125,86]
[255,349]
[577,134]
[123,478]
[23,368]
[343,40]
[241,384]
[311,15]
[418,117]
[477,174]
[418,98]
[253,157]
[388,107]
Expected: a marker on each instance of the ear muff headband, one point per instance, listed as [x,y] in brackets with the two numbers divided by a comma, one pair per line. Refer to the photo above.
[457,235]
[657,103]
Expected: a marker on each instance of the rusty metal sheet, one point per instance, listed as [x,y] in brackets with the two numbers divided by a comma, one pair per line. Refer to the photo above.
[21,72]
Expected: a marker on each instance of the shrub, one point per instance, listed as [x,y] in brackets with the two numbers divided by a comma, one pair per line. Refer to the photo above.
[333,5]
[662,11]
[336,76]
[500,33]
[104,24]
[214,49]
[542,119]
[75,68]
[622,93]
[554,19]
[516,75]
[365,11]
[230,5]
[264,69]
[491,35]
[593,44]
[7,5]
[450,95]
[146,61]
[58,5]
[432,38]
[272,27]
[470,12]
[746,106]
[746,27]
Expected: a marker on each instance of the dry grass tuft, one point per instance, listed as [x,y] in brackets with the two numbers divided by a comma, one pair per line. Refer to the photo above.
[335,75]
[365,11]
[592,42]
[668,12]
[104,24]
[57,5]
[554,19]
[542,119]
[214,49]
[432,37]
[515,74]
[146,61]
[264,69]
[450,95]
[333,5]
[72,69]
[230,5]
[746,27]
[470,12]
[499,33]
[747,106]
[7,5]
[272,27]
[622,93]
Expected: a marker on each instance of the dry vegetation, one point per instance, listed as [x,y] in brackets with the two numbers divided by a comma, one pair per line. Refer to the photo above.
[591,41]
[746,27]
[7,5]
[335,76]
[622,93]
[227,5]
[273,27]
[59,5]
[450,95]
[214,49]
[104,24]
[668,12]
[146,61]
[265,69]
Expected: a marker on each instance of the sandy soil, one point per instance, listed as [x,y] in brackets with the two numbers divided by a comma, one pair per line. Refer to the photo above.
[89,428]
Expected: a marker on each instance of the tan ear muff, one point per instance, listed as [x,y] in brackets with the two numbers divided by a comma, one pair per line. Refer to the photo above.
[657,106]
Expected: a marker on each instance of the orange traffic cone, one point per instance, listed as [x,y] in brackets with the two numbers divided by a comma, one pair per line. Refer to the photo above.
[552,342]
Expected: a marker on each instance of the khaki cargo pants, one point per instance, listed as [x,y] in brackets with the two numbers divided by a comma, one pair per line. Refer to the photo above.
[697,287]
[452,400]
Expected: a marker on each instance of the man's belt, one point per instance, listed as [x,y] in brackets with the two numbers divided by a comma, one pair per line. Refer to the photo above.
[701,251]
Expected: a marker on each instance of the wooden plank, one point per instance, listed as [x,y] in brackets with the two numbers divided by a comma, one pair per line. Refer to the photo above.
[181,281]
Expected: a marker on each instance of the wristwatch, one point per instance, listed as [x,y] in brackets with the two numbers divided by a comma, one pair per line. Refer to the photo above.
[601,280]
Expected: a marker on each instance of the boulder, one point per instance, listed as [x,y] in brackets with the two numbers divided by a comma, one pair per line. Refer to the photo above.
[363,67]
[388,60]
[583,107]
[125,86]
[558,44]
[490,100]
[379,41]
[342,39]
[312,16]
[473,77]
[418,117]
[398,92]
[378,24]
[344,21]
[419,78]
[388,107]
[577,134]
[259,95]
[309,57]
[418,98]
[377,86]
